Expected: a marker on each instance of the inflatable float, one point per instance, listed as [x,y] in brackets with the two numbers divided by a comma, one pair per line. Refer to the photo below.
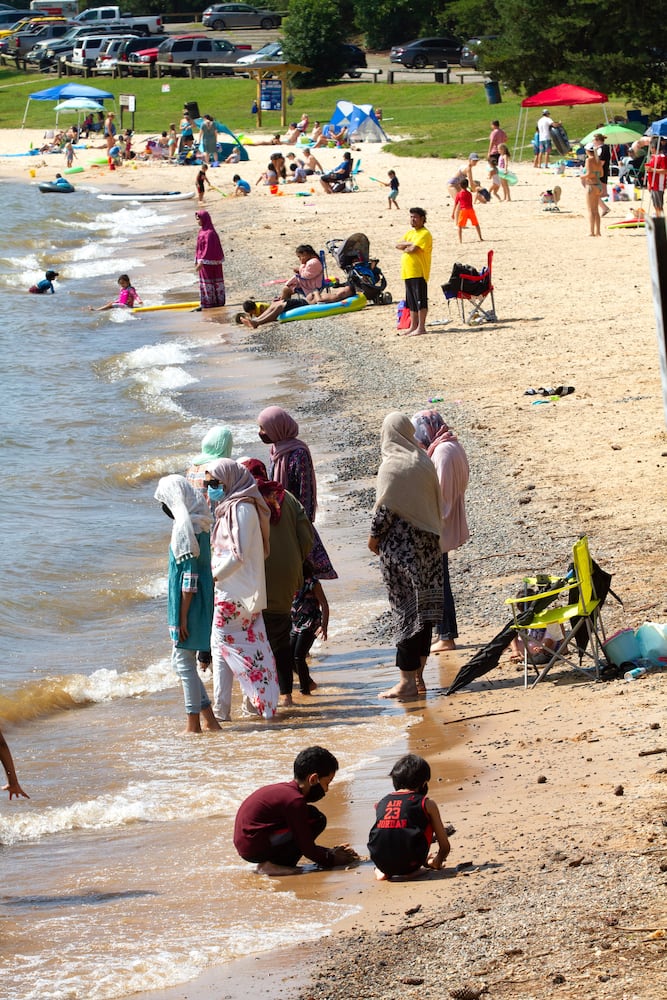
[56,187]
[149,196]
[317,310]
[167,305]
[632,223]
[507,175]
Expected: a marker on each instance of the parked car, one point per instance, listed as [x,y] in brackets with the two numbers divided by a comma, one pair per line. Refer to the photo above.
[195,49]
[352,57]
[47,53]
[88,48]
[470,52]
[427,52]
[27,24]
[272,52]
[20,44]
[220,16]
[119,50]
[8,18]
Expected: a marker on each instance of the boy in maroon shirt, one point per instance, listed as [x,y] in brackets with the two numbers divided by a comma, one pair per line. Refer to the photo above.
[278,824]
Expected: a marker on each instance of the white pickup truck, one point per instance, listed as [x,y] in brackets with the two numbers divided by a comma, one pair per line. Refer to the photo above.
[112,17]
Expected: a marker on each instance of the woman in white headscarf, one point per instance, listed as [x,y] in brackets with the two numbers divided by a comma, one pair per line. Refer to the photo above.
[405,533]
[190,593]
[451,465]
[240,544]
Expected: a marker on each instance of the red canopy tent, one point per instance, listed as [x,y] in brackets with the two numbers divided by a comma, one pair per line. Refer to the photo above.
[564,95]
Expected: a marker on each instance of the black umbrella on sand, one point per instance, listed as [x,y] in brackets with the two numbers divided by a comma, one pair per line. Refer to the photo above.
[489,656]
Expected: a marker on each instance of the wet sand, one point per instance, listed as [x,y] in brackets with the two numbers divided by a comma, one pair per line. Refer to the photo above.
[573,311]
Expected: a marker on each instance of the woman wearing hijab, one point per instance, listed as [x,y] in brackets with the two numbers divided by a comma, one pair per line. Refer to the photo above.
[292,466]
[190,593]
[216,443]
[291,539]
[405,533]
[240,544]
[451,465]
[209,257]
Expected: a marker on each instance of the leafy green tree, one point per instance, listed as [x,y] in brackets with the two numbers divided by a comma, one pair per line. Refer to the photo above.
[472,18]
[387,22]
[601,44]
[313,33]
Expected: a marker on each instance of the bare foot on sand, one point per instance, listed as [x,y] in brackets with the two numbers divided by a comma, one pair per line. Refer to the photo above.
[421,687]
[414,333]
[443,646]
[286,701]
[248,321]
[401,692]
[268,868]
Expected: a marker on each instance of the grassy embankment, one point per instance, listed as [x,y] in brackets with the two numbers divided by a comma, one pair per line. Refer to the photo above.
[438,120]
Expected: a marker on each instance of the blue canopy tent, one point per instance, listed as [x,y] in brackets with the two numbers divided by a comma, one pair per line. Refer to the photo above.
[360,120]
[67,90]
[658,128]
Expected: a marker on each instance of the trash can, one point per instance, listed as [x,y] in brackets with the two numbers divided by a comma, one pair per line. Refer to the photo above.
[492,89]
[192,108]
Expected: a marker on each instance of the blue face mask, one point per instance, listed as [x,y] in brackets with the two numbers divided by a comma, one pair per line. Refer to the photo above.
[216,493]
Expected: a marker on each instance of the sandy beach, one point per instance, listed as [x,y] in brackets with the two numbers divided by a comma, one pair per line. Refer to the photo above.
[554,887]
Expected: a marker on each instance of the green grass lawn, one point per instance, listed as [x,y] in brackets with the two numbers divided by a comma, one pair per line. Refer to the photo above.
[435,119]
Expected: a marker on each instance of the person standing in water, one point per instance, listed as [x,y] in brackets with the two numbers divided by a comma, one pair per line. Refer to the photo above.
[209,258]
[190,593]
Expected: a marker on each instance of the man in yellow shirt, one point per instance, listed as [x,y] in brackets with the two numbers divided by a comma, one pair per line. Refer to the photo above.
[416,247]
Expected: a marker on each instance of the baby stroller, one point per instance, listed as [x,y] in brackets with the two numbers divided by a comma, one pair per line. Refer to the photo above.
[362,272]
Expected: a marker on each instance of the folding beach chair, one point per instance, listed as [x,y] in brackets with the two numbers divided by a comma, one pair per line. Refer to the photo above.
[473,289]
[351,183]
[579,620]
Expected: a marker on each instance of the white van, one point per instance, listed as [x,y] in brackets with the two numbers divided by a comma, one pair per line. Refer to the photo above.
[55,8]
[90,47]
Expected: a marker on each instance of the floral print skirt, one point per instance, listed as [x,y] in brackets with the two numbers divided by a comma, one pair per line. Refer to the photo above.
[239,644]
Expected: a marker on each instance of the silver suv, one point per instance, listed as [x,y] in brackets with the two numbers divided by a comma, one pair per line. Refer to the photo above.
[193,50]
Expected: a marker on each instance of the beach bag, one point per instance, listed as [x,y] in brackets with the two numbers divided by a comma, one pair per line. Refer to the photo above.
[402,316]
[457,281]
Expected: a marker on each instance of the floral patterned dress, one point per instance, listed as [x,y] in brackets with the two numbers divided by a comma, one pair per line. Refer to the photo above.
[411,568]
[239,643]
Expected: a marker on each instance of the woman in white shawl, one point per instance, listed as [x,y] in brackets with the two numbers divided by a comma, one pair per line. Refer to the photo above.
[189,593]
[240,544]
[405,533]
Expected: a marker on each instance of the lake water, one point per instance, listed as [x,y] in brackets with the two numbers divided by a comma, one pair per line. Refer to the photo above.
[119,874]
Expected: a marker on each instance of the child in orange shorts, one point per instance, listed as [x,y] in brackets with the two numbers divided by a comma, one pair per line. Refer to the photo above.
[463,210]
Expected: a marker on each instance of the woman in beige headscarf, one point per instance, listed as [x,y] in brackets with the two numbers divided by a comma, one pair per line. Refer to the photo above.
[405,533]
[240,544]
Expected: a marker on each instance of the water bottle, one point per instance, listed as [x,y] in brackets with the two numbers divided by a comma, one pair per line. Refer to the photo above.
[636,672]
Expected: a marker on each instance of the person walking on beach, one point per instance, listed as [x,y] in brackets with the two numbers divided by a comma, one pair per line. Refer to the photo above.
[12,785]
[504,158]
[405,533]
[190,593]
[292,465]
[393,186]
[544,125]
[406,824]
[240,544]
[208,140]
[463,211]
[209,258]
[451,465]
[416,248]
[290,541]
[278,824]
[70,155]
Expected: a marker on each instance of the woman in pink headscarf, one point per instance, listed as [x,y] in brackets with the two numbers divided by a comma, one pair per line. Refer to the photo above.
[292,465]
[451,464]
[240,544]
[209,257]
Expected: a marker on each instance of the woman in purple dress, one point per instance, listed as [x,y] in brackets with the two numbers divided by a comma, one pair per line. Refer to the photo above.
[209,257]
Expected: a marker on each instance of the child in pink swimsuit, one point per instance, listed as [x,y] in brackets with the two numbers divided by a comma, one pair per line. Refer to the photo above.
[127,297]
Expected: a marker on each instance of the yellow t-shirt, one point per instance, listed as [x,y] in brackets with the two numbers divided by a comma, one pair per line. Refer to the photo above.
[418,263]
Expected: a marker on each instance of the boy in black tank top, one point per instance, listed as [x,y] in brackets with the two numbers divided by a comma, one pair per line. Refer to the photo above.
[406,824]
